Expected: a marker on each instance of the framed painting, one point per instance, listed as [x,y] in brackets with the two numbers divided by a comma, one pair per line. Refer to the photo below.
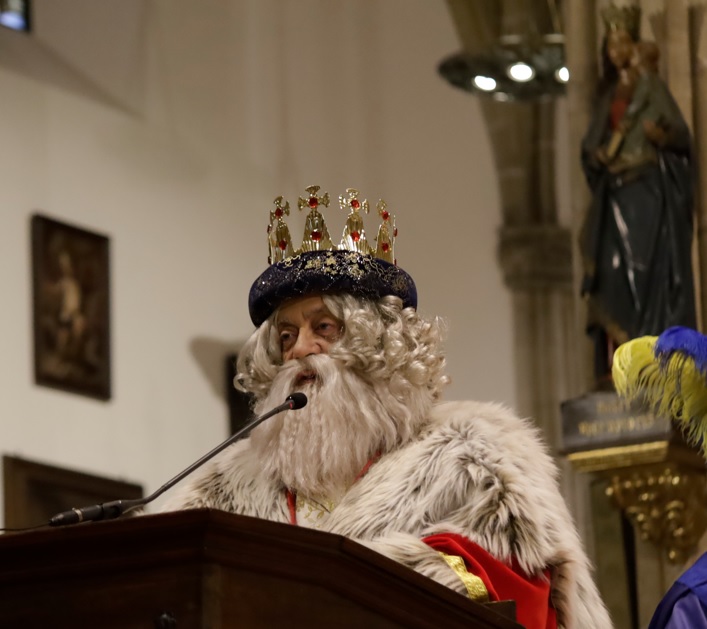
[71,309]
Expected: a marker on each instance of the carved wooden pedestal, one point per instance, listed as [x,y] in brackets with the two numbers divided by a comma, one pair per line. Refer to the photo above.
[642,465]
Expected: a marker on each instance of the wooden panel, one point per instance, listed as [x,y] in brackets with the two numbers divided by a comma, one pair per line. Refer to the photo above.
[34,491]
[211,569]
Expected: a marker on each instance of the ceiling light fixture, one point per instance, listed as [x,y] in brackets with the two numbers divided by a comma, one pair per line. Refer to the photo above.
[484,83]
[517,68]
[15,14]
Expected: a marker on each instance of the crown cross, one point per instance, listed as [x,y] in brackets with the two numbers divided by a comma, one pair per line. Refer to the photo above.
[386,233]
[278,233]
[354,236]
[316,235]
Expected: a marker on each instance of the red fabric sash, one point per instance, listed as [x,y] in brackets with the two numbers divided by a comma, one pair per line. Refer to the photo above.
[531,594]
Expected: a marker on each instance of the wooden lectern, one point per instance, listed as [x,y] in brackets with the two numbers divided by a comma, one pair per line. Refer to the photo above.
[209,569]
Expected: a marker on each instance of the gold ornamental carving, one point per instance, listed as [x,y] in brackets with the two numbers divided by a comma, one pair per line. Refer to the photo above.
[666,503]
[652,475]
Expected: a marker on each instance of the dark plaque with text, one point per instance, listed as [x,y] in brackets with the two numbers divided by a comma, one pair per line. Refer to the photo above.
[602,420]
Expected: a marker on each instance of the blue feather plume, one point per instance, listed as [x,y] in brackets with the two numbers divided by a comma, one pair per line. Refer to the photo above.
[686,342]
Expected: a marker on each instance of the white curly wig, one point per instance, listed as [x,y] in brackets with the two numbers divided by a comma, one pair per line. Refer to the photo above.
[380,341]
[374,390]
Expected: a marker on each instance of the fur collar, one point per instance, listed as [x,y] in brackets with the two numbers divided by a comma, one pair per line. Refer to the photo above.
[475,469]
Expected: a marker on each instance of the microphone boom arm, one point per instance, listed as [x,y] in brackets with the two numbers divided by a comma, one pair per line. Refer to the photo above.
[116,508]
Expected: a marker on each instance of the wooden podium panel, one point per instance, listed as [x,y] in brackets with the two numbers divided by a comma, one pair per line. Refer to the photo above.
[209,569]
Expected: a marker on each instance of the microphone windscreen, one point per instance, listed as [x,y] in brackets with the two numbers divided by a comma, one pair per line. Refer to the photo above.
[297,400]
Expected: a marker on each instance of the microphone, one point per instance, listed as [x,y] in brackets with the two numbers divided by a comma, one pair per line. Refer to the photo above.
[297,400]
[116,508]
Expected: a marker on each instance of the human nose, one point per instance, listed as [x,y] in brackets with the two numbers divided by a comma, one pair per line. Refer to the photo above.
[305,345]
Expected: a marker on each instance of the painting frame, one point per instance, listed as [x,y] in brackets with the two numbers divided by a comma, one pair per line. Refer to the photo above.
[71,308]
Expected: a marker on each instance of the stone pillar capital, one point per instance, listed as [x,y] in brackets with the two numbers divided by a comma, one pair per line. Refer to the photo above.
[537,257]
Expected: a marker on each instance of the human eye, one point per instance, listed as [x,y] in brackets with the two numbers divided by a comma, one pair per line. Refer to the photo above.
[328,328]
[287,339]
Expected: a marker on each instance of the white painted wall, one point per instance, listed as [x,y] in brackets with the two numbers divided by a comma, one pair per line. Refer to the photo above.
[182,122]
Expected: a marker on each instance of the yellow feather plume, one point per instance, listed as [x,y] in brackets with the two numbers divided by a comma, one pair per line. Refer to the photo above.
[635,368]
[672,386]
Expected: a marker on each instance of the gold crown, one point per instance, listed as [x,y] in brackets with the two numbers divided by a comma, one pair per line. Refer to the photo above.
[316,235]
[627,18]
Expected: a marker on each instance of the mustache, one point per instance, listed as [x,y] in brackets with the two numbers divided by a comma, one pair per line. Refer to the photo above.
[316,365]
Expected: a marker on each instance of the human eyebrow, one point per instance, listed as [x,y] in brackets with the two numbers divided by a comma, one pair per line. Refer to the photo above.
[319,311]
[283,323]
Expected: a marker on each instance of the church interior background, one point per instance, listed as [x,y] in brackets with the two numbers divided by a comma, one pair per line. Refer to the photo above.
[169,125]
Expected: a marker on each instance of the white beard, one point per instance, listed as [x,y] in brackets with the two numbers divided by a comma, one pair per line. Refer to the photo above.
[319,450]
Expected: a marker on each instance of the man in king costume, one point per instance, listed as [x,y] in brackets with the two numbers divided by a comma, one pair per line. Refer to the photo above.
[462,492]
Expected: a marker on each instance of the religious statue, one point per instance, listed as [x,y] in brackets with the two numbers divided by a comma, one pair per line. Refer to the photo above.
[636,238]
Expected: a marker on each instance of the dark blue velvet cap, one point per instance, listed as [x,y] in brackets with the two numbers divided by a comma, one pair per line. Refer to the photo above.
[328,272]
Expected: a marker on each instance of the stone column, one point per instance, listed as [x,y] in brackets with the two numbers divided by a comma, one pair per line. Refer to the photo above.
[582,61]
[698,48]
[536,263]
[535,251]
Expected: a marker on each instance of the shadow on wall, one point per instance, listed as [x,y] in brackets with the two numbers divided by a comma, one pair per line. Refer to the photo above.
[217,362]
[58,50]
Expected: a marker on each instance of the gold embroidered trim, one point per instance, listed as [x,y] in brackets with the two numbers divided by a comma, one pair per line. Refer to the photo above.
[475,587]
